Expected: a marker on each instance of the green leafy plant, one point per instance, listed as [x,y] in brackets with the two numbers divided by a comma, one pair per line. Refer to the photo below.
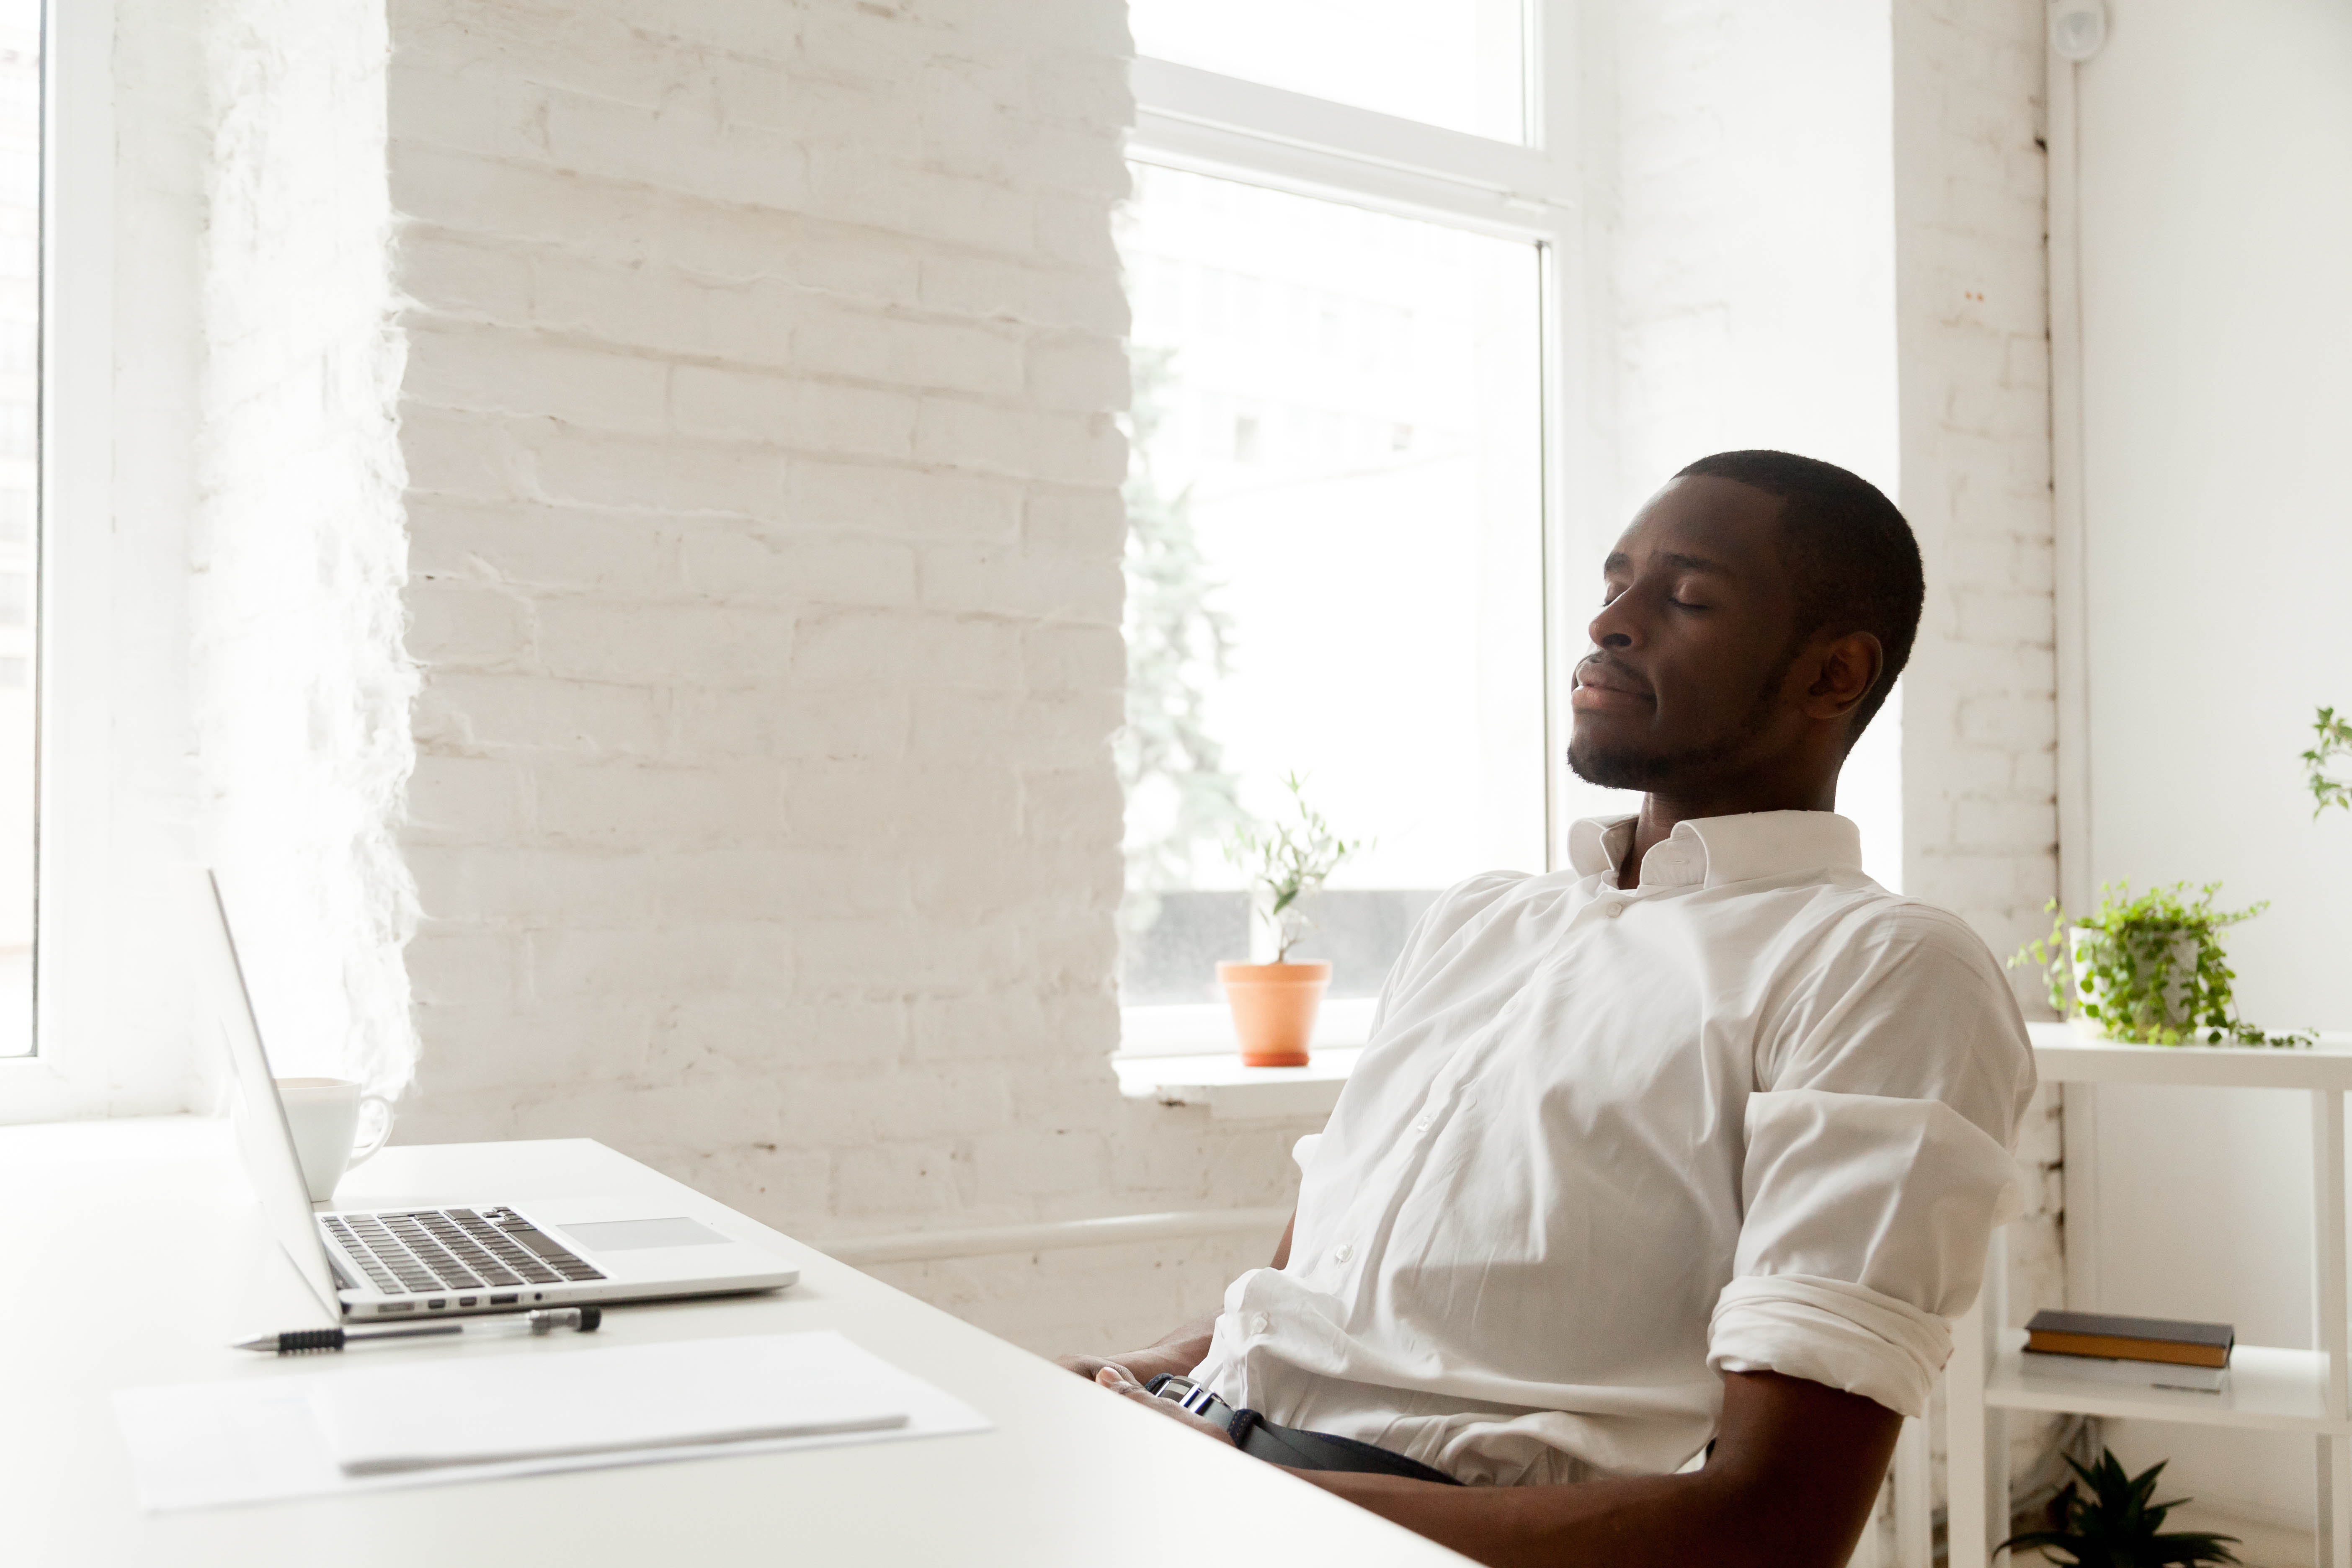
[2332,738]
[1287,863]
[2116,1526]
[2149,968]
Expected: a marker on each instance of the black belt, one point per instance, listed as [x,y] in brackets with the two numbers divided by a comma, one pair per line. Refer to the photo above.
[1300,1450]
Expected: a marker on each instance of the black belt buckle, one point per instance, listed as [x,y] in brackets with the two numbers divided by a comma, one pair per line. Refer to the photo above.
[1186,1394]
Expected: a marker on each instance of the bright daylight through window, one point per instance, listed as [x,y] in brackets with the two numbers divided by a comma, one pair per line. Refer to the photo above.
[20,346]
[1335,565]
[1460,64]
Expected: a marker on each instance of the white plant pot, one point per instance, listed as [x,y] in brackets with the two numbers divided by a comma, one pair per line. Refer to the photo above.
[2178,994]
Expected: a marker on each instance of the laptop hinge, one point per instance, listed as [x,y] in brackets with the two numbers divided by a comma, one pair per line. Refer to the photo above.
[343,1280]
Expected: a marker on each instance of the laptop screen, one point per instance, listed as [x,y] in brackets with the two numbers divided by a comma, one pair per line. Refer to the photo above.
[262,1132]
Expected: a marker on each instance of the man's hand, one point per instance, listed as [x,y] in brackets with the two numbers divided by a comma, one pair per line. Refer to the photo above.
[1118,1380]
[1140,1366]
[1179,1353]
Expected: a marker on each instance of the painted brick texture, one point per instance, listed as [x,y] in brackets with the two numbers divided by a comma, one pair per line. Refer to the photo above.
[297,536]
[1980,724]
[760,416]
[1973,309]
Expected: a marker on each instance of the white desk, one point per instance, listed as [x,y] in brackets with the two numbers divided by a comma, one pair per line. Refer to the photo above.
[1071,1474]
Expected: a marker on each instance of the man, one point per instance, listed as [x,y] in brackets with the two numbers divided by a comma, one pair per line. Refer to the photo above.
[1695,1146]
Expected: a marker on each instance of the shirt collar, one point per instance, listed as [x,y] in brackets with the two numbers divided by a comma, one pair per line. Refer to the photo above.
[1711,851]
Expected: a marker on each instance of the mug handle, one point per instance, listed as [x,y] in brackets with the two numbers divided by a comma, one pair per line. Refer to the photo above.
[367,1148]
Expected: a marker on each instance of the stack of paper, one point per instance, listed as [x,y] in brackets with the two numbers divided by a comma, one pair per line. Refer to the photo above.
[480,1411]
[400,1416]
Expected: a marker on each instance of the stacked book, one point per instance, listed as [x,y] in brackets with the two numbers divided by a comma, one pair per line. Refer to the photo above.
[2155,1352]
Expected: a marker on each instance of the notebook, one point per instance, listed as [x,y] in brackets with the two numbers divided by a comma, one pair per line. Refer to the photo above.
[2111,1337]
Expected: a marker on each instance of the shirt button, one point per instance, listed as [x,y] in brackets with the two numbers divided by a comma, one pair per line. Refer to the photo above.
[1421,1123]
[1259,1322]
[1612,910]
[1341,1253]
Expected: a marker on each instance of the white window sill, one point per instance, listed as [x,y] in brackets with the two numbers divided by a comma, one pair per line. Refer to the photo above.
[1206,1028]
[1233,1092]
[1186,1055]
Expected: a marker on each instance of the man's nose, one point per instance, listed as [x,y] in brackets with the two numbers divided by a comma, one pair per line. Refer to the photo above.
[1615,627]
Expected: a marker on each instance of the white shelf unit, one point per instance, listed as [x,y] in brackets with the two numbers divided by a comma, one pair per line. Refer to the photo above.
[2268,1389]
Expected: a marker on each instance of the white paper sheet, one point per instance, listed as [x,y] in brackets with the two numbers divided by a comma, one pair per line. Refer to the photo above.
[260,1438]
[380,1416]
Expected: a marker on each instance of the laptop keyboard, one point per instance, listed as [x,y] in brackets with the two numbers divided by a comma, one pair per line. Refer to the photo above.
[418,1251]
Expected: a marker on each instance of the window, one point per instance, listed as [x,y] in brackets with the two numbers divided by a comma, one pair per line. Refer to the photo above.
[1346,268]
[1462,66]
[21,99]
[94,551]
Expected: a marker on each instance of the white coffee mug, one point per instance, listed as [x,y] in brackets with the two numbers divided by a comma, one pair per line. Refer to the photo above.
[325,1113]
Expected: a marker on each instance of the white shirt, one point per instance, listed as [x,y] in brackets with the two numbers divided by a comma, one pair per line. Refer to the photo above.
[1604,1145]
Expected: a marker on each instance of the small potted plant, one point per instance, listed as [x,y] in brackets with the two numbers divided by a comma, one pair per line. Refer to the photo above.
[1273,1004]
[2149,970]
[2116,1526]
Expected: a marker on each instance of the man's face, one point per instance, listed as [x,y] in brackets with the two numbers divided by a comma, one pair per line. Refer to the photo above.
[1692,644]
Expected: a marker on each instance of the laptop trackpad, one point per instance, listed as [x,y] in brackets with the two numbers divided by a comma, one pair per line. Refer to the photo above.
[629,1235]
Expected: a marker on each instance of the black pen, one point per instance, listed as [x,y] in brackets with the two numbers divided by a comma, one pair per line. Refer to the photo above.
[546,1320]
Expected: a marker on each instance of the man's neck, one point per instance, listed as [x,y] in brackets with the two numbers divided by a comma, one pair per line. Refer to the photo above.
[1662,814]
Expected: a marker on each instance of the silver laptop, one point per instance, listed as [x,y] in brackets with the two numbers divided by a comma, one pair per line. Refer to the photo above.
[436,1262]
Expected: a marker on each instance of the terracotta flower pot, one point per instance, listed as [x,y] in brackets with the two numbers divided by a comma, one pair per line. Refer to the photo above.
[1274,1009]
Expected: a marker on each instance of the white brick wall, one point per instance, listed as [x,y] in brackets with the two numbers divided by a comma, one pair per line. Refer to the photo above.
[1980,726]
[299,545]
[763,487]
[1981,713]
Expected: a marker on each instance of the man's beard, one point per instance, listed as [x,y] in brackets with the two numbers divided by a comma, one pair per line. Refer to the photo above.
[1634,770]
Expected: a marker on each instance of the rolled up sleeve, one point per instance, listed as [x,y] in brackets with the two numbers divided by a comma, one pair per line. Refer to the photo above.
[1866,1235]
[1877,1165]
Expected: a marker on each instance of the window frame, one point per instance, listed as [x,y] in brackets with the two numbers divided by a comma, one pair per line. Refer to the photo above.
[113,796]
[1205,122]
[76,354]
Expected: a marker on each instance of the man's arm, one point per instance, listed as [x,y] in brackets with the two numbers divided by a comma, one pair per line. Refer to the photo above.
[1795,1470]
[1791,1484]
[1178,1352]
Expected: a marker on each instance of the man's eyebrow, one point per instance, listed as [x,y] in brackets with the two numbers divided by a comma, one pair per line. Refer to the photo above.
[1618,560]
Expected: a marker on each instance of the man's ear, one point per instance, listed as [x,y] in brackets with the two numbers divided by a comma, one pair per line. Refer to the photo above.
[1845,670]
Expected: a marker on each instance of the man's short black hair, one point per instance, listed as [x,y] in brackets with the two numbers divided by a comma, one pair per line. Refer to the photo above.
[1854,559]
